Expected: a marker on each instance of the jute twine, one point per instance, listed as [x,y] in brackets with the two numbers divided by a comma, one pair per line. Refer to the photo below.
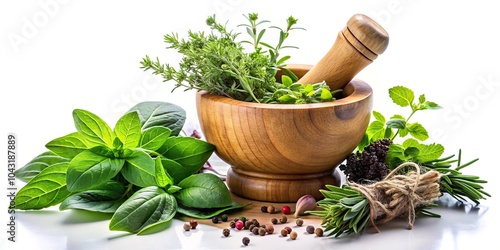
[397,195]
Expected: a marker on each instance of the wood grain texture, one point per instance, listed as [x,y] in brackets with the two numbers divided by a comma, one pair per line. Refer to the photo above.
[279,152]
[356,46]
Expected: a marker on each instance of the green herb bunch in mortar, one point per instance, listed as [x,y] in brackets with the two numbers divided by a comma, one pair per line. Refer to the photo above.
[219,63]
[387,179]
[142,172]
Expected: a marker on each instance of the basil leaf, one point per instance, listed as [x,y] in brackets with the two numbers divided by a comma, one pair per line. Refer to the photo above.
[149,206]
[46,189]
[105,198]
[88,169]
[160,114]
[208,213]
[92,128]
[139,168]
[203,191]
[128,129]
[401,96]
[39,163]
[162,177]
[153,138]
[175,170]
[67,146]
[190,152]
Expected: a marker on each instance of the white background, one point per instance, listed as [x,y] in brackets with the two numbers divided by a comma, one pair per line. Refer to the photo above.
[56,56]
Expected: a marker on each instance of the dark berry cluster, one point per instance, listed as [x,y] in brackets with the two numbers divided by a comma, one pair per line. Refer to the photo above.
[369,164]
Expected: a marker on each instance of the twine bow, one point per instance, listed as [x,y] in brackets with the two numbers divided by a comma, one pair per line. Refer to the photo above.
[398,194]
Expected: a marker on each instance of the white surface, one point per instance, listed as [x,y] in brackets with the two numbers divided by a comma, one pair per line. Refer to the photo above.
[60,55]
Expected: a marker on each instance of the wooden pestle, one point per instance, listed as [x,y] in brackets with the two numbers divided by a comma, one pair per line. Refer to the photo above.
[356,46]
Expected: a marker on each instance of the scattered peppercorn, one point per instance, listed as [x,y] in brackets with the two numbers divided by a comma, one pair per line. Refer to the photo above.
[251,227]
[288,229]
[263,209]
[186,227]
[319,232]
[239,225]
[286,209]
[271,209]
[283,219]
[232,224]
[299,222]
[274,221]
[256,222]
[193,224]
[310,229]
[245,241]
[224,217]
[226,232]
[293,235]
[215,220]
[270,229]
[284,232]
[255,230]
[262,231]
[248,223]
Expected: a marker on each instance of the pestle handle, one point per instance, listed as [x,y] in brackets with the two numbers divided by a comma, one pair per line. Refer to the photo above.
[356,46]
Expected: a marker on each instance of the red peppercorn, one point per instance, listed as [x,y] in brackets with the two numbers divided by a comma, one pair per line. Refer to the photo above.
[286,209]
[239,225]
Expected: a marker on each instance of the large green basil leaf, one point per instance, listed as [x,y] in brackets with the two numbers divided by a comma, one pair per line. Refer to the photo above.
[153,138]
[46,189]
[67,146]
[208,213]
[203,191]
[175,170]
[190,152]
[161,114]
[39,163]
[89,169]
[128,129]
[148,207]
[139,168]
[92,128]
[105,198]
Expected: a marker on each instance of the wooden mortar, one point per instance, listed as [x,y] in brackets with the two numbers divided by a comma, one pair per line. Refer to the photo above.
[279,152]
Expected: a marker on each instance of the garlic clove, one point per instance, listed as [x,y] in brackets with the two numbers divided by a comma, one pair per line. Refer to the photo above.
[305,203]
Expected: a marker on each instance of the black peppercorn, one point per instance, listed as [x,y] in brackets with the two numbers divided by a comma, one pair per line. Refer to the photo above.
[274,221]
[226,232]
[245,241]
[255,230]
[232,224]
[310,229]
[263,209]
[215,220]
[224,217]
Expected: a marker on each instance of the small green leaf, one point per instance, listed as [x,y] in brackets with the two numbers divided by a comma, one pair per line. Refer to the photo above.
[46,189]
[286,81]
[326,95]
[411,152]
[128,129]
[162,114]
[38,164]
[421,98]
[139,169]
[396,123]
[93,130]
[401,96]
[147,207]
[190,152]
[88,169]
[67,146]
[203,190]
[162,177]
[378,116]
[430,152]
[376,130]
[154,137]
[418,131]
[105,198]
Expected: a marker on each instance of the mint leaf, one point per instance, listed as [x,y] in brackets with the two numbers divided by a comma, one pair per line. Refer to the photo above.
[378,116]
[418,131]
[38,164]
[147,207]
[89,169]
[396,123]
[376,130]
[203,191]
[429,152]
[401,96]
[46,189]
[67,146]
[93,130]
[128,129]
